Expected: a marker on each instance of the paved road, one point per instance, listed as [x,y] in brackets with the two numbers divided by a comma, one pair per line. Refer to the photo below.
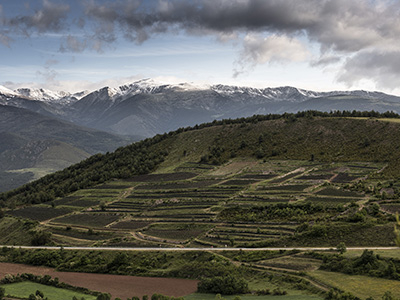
[196,249]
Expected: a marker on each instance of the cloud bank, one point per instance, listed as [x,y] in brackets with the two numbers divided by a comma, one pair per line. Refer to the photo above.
[364,32]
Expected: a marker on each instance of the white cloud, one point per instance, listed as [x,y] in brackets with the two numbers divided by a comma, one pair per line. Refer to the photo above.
[382,68]
[273,49]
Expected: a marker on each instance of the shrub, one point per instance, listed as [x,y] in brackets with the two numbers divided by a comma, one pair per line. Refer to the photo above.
[41,238]
[227,285]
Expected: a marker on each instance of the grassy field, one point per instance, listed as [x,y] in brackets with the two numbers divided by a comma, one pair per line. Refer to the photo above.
[360,286]
[24,289]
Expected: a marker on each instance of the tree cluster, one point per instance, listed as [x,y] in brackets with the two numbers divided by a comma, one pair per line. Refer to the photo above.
[262,213]
[367,264]
[226,285]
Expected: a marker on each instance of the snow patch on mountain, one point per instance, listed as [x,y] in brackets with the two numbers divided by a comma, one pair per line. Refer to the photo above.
[49,96]
[7,92]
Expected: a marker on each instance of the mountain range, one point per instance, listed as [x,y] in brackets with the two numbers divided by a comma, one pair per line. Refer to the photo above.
[145,108]
[42,131]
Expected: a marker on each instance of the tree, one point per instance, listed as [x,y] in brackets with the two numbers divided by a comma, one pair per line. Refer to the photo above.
[397,230]
[388,296]
[341,248]
[39,294]
[41,238]
[104,296]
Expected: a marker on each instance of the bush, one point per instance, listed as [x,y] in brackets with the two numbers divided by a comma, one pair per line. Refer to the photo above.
[104,296]
[41,238]
[162,297]
[227,285]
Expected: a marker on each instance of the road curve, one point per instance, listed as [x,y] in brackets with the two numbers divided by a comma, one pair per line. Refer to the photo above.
[194,249]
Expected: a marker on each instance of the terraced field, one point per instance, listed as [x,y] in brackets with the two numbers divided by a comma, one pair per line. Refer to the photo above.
[188,206]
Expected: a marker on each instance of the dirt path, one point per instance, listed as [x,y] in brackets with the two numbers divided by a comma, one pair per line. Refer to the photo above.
[319,285]
[117,285]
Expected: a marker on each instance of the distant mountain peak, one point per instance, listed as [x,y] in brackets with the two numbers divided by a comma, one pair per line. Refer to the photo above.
[45,95]
[7,92]
[40,94]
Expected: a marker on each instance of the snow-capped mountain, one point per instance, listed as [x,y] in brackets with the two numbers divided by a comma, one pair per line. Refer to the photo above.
[5,92]
[147,107]
[50,96]
[41,94]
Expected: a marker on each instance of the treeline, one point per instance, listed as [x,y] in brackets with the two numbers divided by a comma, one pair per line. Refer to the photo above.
[292,116]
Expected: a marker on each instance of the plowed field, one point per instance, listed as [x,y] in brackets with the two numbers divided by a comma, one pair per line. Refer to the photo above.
[117,285]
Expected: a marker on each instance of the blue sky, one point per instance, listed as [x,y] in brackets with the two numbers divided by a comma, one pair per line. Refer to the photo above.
[312,44]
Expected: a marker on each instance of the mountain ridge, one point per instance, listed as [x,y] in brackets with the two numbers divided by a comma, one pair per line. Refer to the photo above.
[147,107]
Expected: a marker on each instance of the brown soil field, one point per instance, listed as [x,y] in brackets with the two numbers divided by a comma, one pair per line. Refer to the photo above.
[117,285]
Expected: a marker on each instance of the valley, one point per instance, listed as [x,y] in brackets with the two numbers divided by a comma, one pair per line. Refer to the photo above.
[199,150]
[282,203]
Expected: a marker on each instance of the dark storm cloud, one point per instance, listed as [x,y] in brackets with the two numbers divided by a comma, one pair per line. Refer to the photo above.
[367,30]
[139,20]
[340,25]
[50,18]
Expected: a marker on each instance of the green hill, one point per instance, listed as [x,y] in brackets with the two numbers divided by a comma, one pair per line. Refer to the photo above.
[28,140]
[309,179]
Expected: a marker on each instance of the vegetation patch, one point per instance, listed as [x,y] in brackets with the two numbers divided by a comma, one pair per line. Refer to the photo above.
[177,186]
[130,225]
[39,213]
[163,177]
[338,193]
[288,187]
[91,220]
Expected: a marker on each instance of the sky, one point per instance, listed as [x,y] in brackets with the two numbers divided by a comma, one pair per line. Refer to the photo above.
[319,45]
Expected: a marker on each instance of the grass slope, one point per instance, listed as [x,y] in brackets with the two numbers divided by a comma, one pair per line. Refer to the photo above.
[35,145]
[360,286]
